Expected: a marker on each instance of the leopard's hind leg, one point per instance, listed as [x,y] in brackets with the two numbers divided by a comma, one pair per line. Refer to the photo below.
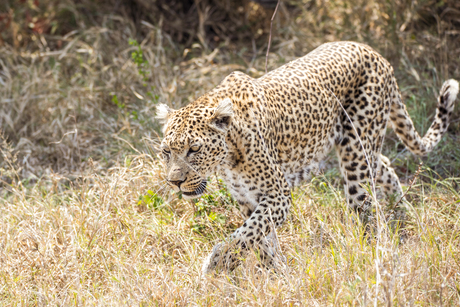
[364,119]
[359,171]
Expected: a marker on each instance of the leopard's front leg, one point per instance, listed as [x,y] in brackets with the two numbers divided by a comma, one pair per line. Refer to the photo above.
[255,233]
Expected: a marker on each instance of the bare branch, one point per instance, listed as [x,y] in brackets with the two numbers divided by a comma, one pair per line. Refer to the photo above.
[270,37]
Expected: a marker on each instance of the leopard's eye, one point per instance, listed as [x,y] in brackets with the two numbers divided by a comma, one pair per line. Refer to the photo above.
[166,152]
[193,149]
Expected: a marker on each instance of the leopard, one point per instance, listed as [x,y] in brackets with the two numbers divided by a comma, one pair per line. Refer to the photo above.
[263,136]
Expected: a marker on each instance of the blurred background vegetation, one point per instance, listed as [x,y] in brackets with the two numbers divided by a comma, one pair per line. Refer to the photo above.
[80,79]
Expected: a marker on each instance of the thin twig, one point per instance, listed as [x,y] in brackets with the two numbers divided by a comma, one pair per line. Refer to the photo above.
[270,37]
[129,144]
[65,134]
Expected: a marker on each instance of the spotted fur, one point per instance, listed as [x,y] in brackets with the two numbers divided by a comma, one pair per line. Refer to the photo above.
[263,136]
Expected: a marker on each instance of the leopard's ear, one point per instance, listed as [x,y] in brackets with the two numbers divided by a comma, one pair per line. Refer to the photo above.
[163,113]
[222,116]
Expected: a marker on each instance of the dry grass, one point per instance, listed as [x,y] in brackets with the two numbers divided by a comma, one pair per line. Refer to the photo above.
[86,218]
[92,242]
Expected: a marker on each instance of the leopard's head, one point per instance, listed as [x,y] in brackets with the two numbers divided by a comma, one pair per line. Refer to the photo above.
[194,143]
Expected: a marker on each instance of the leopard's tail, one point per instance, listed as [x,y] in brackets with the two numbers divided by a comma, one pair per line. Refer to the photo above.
[404,128]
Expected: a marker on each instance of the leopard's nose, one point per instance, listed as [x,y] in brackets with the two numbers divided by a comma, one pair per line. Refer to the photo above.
[176,182]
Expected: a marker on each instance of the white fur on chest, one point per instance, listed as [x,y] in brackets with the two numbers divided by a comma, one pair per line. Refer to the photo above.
[240,186]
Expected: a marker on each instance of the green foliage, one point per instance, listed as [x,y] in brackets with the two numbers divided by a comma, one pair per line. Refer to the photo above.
[142,68]
[207,206]
[138,58]
[117,103]
[151,200]
[133,112]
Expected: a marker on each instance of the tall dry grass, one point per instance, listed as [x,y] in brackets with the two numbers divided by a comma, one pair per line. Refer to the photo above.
[91,242]
[86,217]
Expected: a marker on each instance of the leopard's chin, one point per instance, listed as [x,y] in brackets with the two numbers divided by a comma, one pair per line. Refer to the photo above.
[198,191]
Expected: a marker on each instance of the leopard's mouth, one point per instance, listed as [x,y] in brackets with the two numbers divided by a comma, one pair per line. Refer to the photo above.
[198,191]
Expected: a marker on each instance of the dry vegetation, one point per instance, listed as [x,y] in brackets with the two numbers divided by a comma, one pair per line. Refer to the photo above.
[86,218]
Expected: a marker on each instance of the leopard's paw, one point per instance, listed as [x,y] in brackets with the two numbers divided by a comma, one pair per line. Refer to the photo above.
[213,260]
